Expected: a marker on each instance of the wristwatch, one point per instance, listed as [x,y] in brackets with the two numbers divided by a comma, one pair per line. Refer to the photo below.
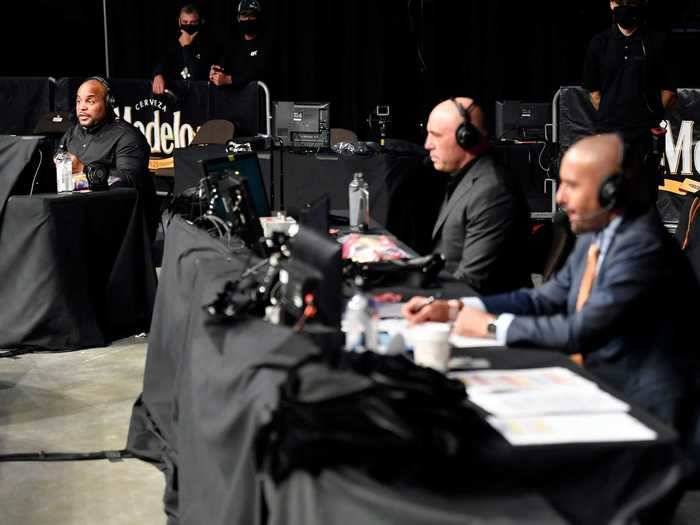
[491,328]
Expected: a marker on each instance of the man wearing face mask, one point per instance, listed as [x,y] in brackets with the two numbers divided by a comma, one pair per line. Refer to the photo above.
[188,57]
[626,72]
[245,57]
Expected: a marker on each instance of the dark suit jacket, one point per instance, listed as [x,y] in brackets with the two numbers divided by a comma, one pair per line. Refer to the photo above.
[482,230]
[635,330]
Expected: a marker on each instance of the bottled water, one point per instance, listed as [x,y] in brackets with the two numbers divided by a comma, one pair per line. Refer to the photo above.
[358,198]
[64,170]
[360,322]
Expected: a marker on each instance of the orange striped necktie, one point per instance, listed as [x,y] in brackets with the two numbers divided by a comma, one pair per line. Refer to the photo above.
[589,275]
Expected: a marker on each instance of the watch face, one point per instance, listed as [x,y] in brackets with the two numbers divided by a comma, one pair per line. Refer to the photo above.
[491,327]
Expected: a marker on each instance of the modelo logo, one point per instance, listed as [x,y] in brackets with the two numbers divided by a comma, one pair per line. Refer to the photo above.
[681,156]
[163,137]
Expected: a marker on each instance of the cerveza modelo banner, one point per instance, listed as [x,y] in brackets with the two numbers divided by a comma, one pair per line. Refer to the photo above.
[171,120]
[681,173]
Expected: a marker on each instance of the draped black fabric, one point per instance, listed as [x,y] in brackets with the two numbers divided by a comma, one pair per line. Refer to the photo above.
[355,54]
[78,271]
[15,155]
[22,102]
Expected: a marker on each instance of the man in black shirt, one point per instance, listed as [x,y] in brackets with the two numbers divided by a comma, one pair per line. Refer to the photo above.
[244,59]
[628,79]
[189,57]
[111,152]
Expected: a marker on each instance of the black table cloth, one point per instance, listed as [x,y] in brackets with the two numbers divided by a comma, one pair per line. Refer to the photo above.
[77,270]
[204,400]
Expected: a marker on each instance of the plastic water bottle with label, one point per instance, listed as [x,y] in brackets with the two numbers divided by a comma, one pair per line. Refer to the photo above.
[358,198]
[360,322]
[64,170]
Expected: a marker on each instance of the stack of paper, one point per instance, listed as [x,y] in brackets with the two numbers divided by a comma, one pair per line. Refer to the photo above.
[551,405]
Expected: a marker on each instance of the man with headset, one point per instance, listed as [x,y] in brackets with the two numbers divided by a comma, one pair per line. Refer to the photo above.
[630,83]
[109,151]
[190,56]
[245,57]
[623,298]
[482,229]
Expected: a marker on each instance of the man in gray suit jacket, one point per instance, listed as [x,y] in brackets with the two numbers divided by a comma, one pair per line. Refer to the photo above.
[624,298]
[482,229]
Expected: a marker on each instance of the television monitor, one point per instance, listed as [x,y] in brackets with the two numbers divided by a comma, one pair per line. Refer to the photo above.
[236,194]
[322,255]
[248,166]
[516,120]
[303,124]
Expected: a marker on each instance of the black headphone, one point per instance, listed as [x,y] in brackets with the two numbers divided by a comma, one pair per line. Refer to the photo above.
[110,100]
[467,135]
[611,193]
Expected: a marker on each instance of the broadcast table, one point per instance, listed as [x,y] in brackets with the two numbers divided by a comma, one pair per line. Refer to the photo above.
[205,397]
[77,270]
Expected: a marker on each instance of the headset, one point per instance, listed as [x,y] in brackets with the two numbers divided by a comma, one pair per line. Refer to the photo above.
[110,100]
[467,135]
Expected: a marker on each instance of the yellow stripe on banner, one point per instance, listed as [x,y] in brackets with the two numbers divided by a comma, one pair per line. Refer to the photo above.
[690,185]
[159,164]
[673,186]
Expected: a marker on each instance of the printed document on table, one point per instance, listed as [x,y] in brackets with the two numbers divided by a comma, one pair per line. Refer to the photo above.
[460,341]
[575,428]
[525,379]
[547,401]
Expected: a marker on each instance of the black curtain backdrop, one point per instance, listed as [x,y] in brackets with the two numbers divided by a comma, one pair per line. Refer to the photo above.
[357,53]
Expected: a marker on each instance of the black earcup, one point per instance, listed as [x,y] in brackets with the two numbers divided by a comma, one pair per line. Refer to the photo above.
[467,135]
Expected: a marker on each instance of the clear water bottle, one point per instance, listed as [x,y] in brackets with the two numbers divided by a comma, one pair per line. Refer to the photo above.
[360,322]
[64,170]
[358,198]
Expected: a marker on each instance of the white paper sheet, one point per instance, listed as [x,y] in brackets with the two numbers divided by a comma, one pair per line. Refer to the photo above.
[576,428]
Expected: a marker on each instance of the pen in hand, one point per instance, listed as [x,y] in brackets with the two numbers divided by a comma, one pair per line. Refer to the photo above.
[422,305]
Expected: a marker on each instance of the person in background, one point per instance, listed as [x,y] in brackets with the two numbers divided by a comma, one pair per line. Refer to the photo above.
[244,59]
[627,73]
[188,57]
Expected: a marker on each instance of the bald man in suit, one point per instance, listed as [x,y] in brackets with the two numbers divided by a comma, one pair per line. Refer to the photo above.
[483,225]
[624,298]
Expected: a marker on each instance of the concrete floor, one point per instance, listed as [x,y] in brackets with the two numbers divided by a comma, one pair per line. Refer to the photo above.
[74,402]
[81,402]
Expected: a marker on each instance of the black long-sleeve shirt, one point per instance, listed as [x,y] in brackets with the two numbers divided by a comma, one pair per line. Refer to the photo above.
[122,150]
[190,62]
[245,60]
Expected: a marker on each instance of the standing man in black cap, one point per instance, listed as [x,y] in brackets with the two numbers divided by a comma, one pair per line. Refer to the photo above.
[244,59]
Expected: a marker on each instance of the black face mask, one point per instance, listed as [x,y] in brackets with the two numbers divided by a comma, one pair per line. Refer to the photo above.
[249,27]
[190,29]
[628,16]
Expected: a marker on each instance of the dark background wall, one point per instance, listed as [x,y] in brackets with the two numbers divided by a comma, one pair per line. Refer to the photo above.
[355,53]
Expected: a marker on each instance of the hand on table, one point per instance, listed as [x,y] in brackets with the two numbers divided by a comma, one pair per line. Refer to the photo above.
[472,322]
[421,309]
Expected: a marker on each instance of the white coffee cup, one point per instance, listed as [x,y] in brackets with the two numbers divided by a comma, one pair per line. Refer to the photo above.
[431,347]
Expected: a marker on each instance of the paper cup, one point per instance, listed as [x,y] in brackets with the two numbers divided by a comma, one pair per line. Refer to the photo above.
[431,347]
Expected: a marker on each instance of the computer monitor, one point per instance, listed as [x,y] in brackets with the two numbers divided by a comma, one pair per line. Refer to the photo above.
[236,194]
[323,255]
[303,125]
